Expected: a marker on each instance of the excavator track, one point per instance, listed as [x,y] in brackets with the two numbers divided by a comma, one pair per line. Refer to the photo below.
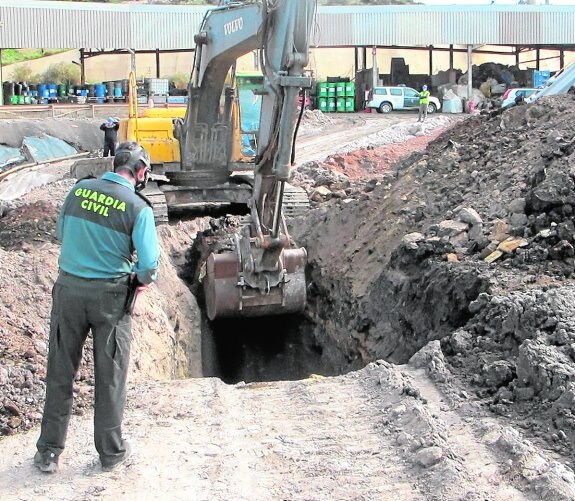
[295,201]
[158,201]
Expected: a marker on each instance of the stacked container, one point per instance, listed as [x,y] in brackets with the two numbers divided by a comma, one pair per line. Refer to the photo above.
[157,86]
[336,96]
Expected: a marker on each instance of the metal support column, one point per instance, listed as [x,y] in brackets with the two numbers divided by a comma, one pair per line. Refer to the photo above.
[469,72]
[430,64]
[561,59]
[356,59]
[537,58]
[1,80]
[451,57]
[132,60]
[375,79]
[157,63]
[82,68]
[517,52]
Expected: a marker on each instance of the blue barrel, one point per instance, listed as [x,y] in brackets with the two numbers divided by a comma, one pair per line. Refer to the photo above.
[41,89]
[52,91]
[117,91]
[100,90]
[84,92]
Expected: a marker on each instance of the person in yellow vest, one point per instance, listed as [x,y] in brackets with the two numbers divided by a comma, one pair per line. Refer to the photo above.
[423,103]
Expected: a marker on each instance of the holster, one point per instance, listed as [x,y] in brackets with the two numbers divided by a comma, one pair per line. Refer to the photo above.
[133,285]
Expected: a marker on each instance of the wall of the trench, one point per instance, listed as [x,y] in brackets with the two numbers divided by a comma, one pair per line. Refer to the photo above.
[418,297]
[514,349]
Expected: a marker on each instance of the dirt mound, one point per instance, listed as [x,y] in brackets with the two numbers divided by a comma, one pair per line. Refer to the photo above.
[32,223]
[470,242]
[164,346]
[84,135]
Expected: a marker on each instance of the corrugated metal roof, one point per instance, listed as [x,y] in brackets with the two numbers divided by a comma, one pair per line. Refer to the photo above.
[444,25]
[47,24]
[67,24]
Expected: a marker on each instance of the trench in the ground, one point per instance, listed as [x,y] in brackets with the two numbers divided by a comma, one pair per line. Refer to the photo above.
[339,333]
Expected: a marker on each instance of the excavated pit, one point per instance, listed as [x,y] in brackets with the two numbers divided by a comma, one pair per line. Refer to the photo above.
[412,302]
[278,347]
[261,349]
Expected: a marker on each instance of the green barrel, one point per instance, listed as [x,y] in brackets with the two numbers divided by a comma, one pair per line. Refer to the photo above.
[340,89]
[21,100]
[340,104]
[350,89]
[331,104]
[27,99]
[62,90]
[71,89]
[322,89]
[322,103]
[14,100]
[331,89]
[349,104]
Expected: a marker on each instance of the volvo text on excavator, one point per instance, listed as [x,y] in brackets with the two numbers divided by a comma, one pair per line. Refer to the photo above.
[262,271]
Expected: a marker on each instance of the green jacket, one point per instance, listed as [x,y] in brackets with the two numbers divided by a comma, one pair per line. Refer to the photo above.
[424,97]
[101,224]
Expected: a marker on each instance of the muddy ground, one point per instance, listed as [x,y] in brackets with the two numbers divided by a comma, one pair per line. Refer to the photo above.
[445,250]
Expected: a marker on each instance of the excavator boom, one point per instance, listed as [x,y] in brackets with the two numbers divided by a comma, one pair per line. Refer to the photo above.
[262,272]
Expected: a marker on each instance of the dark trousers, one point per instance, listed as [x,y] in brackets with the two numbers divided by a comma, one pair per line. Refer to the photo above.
[422,112]
[109,148]
[78,306]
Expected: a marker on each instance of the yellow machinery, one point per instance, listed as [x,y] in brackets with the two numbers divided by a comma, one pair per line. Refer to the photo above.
[154,130]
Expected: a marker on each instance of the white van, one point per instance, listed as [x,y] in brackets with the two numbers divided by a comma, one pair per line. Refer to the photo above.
[386,99]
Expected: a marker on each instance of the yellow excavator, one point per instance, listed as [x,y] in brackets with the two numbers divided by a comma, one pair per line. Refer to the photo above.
[204,157]
[153,129]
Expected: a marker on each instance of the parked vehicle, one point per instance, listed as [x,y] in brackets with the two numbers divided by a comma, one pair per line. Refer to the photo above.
[386,99]
[511,95]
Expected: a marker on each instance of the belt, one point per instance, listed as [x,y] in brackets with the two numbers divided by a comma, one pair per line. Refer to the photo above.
[123,278]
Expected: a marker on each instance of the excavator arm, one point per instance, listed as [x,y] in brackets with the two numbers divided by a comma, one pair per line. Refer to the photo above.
[262,273]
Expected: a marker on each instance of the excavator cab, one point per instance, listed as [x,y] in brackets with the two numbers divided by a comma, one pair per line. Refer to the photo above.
[249,89]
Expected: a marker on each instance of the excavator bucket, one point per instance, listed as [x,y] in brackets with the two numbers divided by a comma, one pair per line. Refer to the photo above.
[227,294]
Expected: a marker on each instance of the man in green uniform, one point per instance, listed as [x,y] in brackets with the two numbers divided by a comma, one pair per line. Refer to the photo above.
[102,222]
[423,103]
